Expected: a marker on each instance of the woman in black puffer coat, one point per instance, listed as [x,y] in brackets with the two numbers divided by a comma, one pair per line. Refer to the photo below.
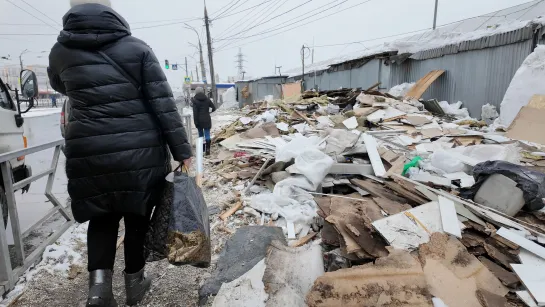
[201,116]
[122,122]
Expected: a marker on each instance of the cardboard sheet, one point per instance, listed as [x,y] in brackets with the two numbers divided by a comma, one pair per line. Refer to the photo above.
[528,126]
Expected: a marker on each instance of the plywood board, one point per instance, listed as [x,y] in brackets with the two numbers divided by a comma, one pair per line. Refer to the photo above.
[449,217]
[423,84]
[533,281]
[291,90]
[528,126]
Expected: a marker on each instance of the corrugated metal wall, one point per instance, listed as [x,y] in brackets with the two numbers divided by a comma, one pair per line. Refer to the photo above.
[475,77]
[259,89]
[363,77]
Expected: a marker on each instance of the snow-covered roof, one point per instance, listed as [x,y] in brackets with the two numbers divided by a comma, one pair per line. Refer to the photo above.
[502,27]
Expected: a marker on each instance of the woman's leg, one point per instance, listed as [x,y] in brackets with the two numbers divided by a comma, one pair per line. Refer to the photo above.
[135,232]
[207,134]
[208,141]
[200,131]
[101,242]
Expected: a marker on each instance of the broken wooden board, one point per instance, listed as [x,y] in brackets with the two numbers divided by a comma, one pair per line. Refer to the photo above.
[389,206]
[455,275]
[406,193]
[396,278]
[449,217]
[407,232]
[503,258]
[507,278]
[377,190]
[372,151]
[423,84]
[528,126]
[532,280]
[488,299]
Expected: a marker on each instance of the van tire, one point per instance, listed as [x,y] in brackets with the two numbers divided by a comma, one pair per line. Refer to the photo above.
[4,204]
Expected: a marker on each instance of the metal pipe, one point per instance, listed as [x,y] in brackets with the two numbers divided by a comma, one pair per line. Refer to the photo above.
[435,15]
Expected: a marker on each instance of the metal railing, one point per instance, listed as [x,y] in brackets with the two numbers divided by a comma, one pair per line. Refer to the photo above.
[186,119]
[8,274]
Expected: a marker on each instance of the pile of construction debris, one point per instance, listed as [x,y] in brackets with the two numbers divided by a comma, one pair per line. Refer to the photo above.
[375,200]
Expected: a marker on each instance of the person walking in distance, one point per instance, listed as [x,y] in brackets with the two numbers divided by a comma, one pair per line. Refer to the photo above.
[201,116]
[123,121]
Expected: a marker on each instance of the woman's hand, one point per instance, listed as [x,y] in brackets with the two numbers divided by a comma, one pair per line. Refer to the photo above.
[187,163]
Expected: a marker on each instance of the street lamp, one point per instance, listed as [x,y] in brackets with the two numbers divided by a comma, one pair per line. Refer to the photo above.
[203,71]
[25,52]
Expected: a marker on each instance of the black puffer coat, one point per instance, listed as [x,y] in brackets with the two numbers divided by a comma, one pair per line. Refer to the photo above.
[117,136]
[201,111]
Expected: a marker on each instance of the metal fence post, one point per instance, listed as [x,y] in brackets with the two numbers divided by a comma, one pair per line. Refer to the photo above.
[5,262]
[13,214]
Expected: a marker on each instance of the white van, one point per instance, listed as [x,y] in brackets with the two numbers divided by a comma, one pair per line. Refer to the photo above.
[11,129]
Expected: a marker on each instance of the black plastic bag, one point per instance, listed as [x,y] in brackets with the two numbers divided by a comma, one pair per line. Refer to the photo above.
[179,228]
[530,182]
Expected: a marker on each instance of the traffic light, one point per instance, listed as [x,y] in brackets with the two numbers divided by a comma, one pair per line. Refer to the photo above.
[167,64]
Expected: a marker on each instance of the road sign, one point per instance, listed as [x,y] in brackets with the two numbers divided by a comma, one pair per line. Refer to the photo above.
[174,66]
[187,80]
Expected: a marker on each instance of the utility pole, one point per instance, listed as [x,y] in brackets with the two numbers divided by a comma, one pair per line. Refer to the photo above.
[210,55]
[279,72]
[435,15]
[197,70]
[303,60]
[203,70]
[186,71]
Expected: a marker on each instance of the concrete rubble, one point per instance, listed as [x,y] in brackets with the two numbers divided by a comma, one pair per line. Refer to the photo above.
[382,201]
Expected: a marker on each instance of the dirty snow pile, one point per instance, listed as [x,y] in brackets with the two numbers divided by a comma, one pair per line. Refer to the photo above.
[229,99]
[59,258]
[401,89]
[527,82]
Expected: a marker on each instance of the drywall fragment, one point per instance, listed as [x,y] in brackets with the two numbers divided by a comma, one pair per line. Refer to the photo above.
[372,151]
[522,242]
[246,291]
[290,273]
[532,280]
[351,123]
[526,298]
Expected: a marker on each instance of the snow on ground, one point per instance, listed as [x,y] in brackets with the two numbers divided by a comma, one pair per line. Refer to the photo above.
[401,89]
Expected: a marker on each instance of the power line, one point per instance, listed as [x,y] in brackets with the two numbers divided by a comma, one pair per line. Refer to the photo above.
[302,24]
[298,21]
[259,21]
[250,20]
[158,26]
[272,18]
[22,9]
[229,8]
[272,29]
[28,34]
[41,13]
[244,10]
[223,7]
[166,20]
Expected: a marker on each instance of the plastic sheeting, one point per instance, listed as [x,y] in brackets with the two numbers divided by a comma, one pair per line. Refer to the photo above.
[531,183]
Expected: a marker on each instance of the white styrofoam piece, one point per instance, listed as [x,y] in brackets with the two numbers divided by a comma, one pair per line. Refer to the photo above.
[291,230]
[449,217]
[530,258]
[376,161]
[402,233]
[351,123]
[526,298]
[523,242]
[532,280]
[465,159]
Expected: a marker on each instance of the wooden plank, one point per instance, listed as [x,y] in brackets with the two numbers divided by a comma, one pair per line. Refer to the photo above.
[423,84]
[449,217]
[497,255]
[304,240]
[377,190]
[507,278]
[533,281]
[373,86]
[406,193]
[372,151]
[389,206]
[231,211]
[488,299]
[522,242]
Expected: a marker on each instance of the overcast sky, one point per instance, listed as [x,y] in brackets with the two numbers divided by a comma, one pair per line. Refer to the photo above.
[343,21]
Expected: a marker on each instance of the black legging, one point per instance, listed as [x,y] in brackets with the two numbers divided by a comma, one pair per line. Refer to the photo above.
[102,239]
